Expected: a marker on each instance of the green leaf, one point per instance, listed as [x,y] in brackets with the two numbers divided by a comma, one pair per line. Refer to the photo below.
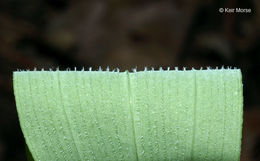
[147,115]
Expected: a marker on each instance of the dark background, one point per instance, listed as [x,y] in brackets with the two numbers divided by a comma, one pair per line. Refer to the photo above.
[127,34]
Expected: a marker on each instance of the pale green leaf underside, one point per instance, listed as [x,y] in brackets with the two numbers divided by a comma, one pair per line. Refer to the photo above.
[149,115]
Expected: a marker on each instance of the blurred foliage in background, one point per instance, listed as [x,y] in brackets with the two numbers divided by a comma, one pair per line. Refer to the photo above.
[127,34]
